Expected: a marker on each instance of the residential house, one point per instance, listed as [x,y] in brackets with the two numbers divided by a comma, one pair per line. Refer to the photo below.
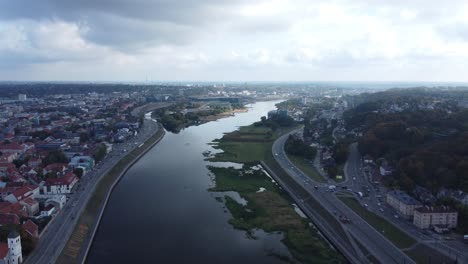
[12,148]
[15,208]
[402,202]
[60,185]
[34,162]
[86,162]
[58,168]
[9,219]
[31,228]
[22,193]
[442,218]
[424,195]
[457,195]
[385,170]
[48,210]
[32,206]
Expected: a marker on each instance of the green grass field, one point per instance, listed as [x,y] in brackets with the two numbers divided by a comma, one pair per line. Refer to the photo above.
[423,254]
[270,210]
[248,144]
[305,166]
[394,234]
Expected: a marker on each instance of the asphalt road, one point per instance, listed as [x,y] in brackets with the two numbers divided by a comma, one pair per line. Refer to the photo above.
[375,243]
[58,231]
[375,202]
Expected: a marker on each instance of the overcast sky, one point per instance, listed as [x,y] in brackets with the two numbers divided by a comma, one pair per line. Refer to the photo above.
[227,40]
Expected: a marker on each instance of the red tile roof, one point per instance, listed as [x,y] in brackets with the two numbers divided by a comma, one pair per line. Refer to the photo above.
[7,190]
[4,204]
[29,201]
[15,208]
[11,146]
[3,250]
[56,167]
[22,191]
[31,228]
[6,218]
[65,180]
[7,165]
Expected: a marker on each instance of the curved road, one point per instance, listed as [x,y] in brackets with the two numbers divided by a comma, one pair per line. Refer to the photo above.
[378,245]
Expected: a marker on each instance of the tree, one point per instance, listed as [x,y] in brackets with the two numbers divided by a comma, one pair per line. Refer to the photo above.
[78,172]
[141,118]
[100,153]
[340,153]
[84,137]
[332,171]
[55,156]
[51,175]
[297,147]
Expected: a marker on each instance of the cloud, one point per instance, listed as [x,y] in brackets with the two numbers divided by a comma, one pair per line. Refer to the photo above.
[124,23]
[206,39]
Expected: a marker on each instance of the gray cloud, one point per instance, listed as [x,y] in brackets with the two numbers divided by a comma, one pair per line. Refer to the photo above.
[126,24]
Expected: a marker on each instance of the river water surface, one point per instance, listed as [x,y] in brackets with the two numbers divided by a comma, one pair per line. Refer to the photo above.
[161,211]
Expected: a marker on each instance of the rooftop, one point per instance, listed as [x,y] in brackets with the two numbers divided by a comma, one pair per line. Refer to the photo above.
[438,209]
[404,197]
[13,234]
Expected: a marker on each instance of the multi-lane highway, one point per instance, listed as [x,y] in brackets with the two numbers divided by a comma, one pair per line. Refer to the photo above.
[375,243]
[375,200]
[56,235]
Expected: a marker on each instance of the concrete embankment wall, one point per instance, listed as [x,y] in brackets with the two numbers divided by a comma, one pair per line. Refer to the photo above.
[84,254]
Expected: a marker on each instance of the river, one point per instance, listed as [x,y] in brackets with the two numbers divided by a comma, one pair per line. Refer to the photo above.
[161,211]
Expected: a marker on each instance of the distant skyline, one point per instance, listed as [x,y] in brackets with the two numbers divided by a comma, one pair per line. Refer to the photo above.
[227,40]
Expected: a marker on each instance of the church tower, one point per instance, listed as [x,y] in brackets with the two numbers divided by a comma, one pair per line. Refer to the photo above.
[14,246]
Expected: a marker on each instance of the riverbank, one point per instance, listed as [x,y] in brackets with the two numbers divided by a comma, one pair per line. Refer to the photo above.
[177,117]
[268,207]
[76,249]
[222,115]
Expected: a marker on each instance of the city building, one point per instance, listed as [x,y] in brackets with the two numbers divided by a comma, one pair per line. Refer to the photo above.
[86,162]
[402,202]
[60,185]
[22,97]
[31,228]
[440,218]
[10,253]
